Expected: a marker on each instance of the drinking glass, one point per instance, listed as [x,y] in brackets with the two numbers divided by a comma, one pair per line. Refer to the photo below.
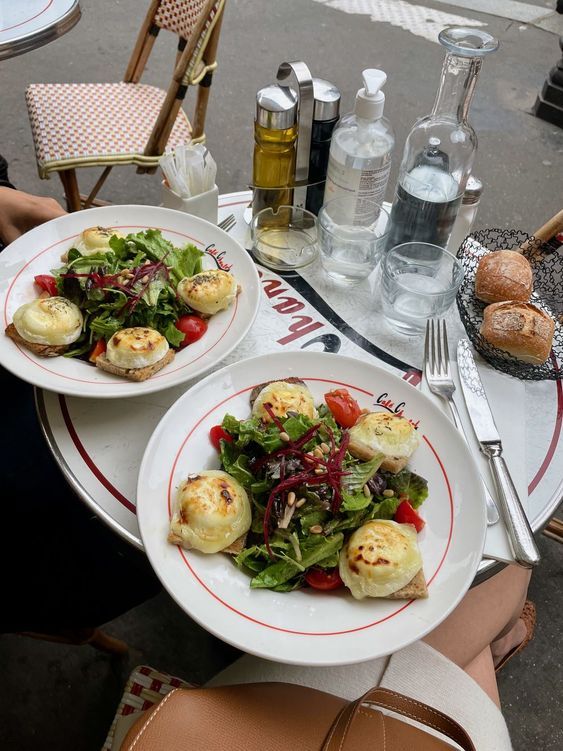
[284,239]
[418,281]
[352,234]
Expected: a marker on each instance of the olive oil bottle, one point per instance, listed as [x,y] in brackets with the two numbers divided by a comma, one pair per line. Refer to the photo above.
[275,135]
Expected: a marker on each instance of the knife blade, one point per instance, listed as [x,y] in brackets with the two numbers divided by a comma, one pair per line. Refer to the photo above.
[520,534]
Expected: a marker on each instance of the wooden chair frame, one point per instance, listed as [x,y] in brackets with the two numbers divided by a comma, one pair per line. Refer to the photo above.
[182,78]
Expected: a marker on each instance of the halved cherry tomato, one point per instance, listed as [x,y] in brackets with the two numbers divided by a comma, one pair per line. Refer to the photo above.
[216,434]
[405,514]
[47,283]
[344,408]
[193,327]
[324,579]
[98,349]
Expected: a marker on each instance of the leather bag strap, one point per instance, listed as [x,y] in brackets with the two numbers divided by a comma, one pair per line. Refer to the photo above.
[403,705]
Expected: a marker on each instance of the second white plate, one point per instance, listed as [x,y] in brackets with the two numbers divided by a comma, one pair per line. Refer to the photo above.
[308,627]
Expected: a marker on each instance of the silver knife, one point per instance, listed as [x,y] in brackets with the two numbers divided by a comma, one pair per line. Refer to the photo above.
[519,531]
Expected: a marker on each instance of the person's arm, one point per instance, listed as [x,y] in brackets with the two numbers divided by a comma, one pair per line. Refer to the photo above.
[20,212]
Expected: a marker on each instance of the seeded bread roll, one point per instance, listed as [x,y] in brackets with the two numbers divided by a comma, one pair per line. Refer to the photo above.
[503,275]
[521,329]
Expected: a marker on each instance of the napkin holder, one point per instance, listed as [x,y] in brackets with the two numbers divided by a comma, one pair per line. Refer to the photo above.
[205,205]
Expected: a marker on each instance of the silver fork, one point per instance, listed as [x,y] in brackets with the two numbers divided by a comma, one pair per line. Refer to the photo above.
[440,382]
[227,223]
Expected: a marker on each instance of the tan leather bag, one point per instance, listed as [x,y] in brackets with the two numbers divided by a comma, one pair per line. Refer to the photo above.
[282,717]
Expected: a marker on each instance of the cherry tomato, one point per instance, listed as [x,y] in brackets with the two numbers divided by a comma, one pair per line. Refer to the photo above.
[324,579]
[193,327]
[216,434]
[344,408]
[405,514]
[47,283]
[98,349]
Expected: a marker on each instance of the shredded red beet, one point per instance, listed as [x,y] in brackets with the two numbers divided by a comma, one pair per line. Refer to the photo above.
[105,281]
[331,476]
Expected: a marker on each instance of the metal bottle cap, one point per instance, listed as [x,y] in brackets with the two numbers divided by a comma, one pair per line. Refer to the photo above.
[276,107]
[327,100]
[473,190]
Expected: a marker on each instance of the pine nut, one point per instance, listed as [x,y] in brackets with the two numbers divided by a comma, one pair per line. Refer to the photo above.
[301,502]
[325,448]
[145,279]
[316,529]
[318,452]
[319,470]
[388,493]
[290,498]
[366,491]
[284,436]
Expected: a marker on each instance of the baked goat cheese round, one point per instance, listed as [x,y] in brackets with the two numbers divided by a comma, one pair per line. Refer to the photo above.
[283,397]
[212,511]
[49,320]
[380,558]
[96,240]
[209,291]
[136,347]
[382,432]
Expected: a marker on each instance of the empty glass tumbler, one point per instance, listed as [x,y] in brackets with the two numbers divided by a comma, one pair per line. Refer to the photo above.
[351,242]
[285,238]
[418,281]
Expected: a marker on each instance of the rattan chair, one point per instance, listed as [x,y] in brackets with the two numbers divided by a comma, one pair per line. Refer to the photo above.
[77,125]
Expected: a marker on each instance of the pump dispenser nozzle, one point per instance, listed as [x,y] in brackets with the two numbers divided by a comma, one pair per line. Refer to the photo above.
[370,100]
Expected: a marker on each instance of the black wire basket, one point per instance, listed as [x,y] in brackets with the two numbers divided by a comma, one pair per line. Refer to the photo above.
[547,266]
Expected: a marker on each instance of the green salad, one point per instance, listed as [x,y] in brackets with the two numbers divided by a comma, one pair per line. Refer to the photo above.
[133,283]
[308,495]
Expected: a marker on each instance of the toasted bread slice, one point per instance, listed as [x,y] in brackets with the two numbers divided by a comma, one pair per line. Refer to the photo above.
[134,374]
[237,546]
[394,464]
[416,589]
[362,451]
[41,350]
[257,389]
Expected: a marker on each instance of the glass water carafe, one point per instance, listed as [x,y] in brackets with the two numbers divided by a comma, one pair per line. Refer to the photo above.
[441,147]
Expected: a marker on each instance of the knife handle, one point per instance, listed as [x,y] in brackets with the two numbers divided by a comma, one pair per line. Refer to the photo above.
[519,531]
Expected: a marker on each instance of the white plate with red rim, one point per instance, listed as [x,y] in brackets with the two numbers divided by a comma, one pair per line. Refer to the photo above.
[309,627]
[40,250]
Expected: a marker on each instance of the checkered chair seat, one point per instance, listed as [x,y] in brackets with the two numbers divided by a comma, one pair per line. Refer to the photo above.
[91,124]
[145,687]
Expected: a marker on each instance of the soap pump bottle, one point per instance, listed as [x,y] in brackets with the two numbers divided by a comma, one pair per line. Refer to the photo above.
[361,148]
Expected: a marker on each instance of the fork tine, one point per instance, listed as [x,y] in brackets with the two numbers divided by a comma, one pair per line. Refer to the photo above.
[439,346]
[445,348]
[426,360]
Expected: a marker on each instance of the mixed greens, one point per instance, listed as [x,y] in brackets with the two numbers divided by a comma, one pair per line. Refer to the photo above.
[307,492]
[132,284]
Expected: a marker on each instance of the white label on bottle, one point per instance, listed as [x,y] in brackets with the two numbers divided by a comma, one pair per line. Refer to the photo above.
[344,181]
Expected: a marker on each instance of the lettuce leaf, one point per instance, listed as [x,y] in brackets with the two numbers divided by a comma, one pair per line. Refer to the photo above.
[359,474]
[181,262]
[316,548]
[407,483]
[236,464]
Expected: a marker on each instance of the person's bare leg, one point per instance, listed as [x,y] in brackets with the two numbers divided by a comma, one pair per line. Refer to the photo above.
[488,612]
[482,670]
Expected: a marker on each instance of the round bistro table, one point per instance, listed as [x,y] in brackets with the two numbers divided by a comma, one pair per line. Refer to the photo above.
[26,25]
[99,444]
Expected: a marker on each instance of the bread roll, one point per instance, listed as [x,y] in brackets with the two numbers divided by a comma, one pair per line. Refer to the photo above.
[521,329]
[503,275]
